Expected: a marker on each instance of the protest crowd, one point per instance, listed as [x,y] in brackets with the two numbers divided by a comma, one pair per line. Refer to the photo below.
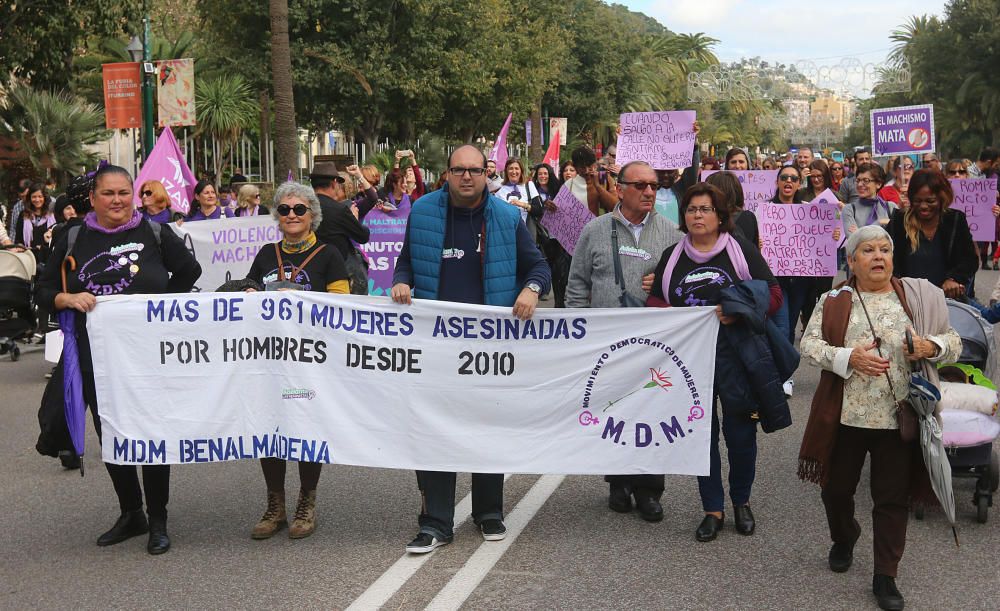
[621,228]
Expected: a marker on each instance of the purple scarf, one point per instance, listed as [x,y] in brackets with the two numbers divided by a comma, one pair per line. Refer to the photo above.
[403,202]
[725,242]
[28,232]
[91,221]
[873,217]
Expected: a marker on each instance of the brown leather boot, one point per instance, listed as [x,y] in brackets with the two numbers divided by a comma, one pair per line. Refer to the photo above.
[274,519]
[304,522]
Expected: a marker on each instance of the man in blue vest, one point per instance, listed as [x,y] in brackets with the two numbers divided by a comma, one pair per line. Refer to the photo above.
[463,244]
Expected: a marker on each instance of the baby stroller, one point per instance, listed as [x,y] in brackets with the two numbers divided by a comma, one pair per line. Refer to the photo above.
[17,312]
[969,406]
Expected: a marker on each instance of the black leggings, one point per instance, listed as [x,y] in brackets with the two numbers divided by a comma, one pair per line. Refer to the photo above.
[125,478]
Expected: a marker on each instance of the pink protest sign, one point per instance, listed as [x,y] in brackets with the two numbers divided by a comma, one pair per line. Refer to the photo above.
[567,222]
[829,197]
[798,238]
[664,139]
[387,230]
[758,185]
[166,164]
[976,199]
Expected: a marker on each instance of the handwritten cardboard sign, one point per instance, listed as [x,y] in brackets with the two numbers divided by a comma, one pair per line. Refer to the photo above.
[663,139]
[976,199]
[567,222]
[758,185]
[798,238]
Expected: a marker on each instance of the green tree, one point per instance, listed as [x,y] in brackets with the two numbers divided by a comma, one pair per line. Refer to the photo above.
[225,107]
[51,130]
[286,138]
[39,38]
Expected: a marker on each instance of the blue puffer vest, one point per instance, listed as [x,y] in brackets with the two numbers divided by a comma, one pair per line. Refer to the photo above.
[428,221]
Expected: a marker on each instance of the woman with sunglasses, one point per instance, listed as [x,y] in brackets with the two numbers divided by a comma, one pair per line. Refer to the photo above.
[248,202]
[154,202]
[932,240]
[837,174]
[298,262]
[796,290]
[694,272]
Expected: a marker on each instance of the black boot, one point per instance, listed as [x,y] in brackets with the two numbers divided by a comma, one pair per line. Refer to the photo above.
[886,592]
[159,541]
[130,524]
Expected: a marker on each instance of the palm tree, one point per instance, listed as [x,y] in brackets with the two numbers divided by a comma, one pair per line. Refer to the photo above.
[225,107]
[285,136]
[51,130]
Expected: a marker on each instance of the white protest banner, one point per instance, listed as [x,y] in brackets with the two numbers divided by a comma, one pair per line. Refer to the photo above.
[225,248]
[437,386]
[976,198]
[758,185]
[567,222]
[663,139]
[798,238]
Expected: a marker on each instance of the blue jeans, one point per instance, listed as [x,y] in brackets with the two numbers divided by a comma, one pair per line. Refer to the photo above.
[795,291]
[740,433]
[437,515]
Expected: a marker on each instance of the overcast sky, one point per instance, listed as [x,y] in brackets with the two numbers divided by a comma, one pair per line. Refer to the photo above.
[787,31]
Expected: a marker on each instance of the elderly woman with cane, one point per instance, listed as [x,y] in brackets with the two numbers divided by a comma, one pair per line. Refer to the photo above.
[864,337]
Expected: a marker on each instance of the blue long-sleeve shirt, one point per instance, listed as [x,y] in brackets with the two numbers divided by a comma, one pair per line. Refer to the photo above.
[462,276]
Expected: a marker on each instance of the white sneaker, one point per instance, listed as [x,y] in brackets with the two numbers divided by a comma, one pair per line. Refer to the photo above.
[425,543]
[788,387]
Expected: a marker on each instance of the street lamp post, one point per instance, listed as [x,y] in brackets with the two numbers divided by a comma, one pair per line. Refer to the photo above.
[140,52]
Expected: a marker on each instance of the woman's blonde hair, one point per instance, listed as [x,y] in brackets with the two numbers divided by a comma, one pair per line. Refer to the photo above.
[159,192]
[246,195]
[371,174]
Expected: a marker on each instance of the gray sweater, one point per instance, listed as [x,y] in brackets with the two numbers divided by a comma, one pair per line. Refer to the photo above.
[592,274]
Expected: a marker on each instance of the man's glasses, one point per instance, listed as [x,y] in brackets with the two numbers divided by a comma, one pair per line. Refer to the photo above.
[298,209]
[472,171]
[696,210]
[788,178]
[641,185]
[147,193]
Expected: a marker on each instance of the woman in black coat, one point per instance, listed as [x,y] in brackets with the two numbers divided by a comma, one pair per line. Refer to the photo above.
[931,240]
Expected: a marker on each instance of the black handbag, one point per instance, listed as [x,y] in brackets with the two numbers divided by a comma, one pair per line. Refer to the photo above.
[625,299]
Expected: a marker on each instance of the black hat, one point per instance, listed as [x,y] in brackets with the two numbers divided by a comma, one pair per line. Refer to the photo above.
[326,169]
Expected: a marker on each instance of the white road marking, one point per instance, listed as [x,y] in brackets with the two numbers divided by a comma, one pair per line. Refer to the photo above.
[396,576]
[468,578]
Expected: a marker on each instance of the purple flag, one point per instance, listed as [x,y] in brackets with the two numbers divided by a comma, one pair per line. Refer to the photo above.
[75,406]
[388,228]
[499,151]
[166,164]
[290,177]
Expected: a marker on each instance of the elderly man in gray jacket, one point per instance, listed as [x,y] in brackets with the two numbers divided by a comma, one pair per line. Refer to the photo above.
[642,235]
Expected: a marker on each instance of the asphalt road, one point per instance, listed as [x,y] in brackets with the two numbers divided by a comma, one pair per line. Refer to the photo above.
[570,550]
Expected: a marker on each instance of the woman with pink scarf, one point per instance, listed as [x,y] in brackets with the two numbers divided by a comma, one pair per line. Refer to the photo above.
[694,272]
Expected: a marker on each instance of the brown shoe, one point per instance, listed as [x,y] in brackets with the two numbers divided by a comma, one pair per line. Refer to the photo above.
[304,522]
[274,519]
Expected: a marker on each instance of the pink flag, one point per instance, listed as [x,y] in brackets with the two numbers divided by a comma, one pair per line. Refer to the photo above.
[552,155]
[499,152]
[166,164]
